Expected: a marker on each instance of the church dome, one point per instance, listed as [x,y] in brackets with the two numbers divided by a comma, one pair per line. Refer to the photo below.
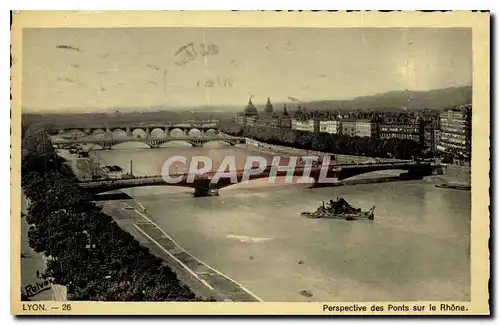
[250,109]
[269,107]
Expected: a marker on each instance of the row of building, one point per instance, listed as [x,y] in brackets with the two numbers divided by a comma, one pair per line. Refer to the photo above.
[450,130]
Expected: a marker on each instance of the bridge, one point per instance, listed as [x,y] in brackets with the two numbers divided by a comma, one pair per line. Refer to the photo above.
[152,142]
[204,186]
[143,129]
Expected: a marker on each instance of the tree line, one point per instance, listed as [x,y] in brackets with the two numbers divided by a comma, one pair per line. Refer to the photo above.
[88,252]
[331,143]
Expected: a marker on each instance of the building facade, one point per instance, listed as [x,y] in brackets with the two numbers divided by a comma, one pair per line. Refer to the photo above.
[410,129]
[431,135]
[456,130]
[305,125]
[360,128]
[330,126]
[349,127]
[286,122]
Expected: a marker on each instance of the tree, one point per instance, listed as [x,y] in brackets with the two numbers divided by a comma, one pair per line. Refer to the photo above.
[89,253]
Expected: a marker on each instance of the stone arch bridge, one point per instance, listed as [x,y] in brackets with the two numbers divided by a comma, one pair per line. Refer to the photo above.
[152,142]
[184,129]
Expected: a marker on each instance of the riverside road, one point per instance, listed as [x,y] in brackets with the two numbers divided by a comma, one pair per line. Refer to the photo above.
[417,248]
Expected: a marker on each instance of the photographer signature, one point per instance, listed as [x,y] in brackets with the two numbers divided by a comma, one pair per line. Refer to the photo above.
[41,286]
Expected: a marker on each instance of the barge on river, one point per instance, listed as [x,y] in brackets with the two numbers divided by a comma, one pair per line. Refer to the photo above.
[339,209]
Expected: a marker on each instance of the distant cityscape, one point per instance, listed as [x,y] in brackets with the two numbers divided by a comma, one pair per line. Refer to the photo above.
[438,132]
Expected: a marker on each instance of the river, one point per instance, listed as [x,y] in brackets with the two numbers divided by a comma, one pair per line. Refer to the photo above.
[417,248]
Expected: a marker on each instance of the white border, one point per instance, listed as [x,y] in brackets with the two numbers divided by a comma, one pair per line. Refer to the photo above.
[181,5]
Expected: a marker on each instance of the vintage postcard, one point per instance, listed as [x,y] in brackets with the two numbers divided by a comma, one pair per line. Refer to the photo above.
[274,163]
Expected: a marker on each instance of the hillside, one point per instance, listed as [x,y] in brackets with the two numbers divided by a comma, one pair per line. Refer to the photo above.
[434,99]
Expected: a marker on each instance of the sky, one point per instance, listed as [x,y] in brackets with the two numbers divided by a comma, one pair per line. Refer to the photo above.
[93,69]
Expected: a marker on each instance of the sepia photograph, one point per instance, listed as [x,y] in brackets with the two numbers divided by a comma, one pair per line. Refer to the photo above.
[306,162]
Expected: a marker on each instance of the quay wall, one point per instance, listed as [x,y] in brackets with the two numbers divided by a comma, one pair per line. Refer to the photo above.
[271,148]
[456,174]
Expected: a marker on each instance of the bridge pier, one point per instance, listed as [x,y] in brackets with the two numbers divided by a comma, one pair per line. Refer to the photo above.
[204,192]
[412,175]
[316,184]
[106,146]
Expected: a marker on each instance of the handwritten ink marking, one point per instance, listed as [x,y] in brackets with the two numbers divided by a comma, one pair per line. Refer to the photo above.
[215,83]
[69,47]
[191,51]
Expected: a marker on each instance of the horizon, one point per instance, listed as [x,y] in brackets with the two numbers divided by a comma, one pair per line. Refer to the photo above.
[208,109]
[98,69]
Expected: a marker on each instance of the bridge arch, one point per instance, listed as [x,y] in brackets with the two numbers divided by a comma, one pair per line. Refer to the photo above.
[119,133]
[170,188]
[372,174]
[177,132]
[195,133]
[263,181]
[218,143]
[211,131]
[98,131]
[91,146]
[158,133]
[176,143]
[131,145]
[138,133]
[77,133]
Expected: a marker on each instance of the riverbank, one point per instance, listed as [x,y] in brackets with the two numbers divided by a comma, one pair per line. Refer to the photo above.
[276,149]
[83,168]
[455,187]
[131,216]
[453,175]
[373,178]
[456,175]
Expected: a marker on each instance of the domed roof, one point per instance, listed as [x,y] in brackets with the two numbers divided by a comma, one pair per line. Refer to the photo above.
[250,109]
[269,107]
